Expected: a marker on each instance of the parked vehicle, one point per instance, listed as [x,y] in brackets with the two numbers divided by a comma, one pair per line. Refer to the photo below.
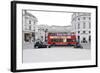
[40,44]
[78,45]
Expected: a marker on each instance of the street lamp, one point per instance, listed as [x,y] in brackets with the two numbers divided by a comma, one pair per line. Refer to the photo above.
[46,30]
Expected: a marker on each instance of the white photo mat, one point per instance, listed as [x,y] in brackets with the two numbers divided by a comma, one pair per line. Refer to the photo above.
[21,65]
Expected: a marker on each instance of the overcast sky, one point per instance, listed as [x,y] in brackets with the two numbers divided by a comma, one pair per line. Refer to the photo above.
[52,18]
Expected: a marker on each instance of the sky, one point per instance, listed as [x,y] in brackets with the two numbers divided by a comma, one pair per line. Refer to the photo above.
[52,18]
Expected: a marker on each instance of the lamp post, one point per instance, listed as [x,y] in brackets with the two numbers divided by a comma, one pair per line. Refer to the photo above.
[46,30]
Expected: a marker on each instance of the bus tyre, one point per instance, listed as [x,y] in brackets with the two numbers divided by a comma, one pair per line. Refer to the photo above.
[49,46]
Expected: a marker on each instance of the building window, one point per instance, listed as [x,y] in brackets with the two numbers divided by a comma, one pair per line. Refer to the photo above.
[89,31]
[89,25]
[29,21]
[78,26]
[78,18]
[84,40]
[84,32]
[34,22]
[89,38]
[29,27]
[89,18]
[84,18]
[78,31]
[84,25]
[33,35]
[25,27]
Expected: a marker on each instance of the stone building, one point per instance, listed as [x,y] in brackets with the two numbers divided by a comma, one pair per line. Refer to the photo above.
[41,32]
[81,24]
[29,21]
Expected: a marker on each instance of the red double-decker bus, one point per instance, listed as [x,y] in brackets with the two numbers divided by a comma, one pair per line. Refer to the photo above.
[61,39]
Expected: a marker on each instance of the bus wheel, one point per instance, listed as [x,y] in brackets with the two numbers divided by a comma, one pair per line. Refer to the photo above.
[49,46]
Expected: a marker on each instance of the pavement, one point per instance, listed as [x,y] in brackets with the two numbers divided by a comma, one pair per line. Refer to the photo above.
[55,54]
[86,45]
[28,45]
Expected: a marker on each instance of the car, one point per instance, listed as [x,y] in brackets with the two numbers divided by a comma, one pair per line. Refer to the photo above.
[40,44]
[78,46]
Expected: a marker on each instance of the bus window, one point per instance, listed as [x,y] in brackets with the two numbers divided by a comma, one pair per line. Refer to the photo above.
[64,40]
[69,40]
[56,40]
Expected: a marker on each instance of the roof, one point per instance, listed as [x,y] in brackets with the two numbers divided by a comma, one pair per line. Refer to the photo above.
[29,14]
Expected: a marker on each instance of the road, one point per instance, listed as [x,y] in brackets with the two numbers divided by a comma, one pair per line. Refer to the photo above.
[55,54]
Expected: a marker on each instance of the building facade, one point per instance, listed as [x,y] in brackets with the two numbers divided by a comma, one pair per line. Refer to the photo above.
[81,24]
[29,21]
[41,32]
